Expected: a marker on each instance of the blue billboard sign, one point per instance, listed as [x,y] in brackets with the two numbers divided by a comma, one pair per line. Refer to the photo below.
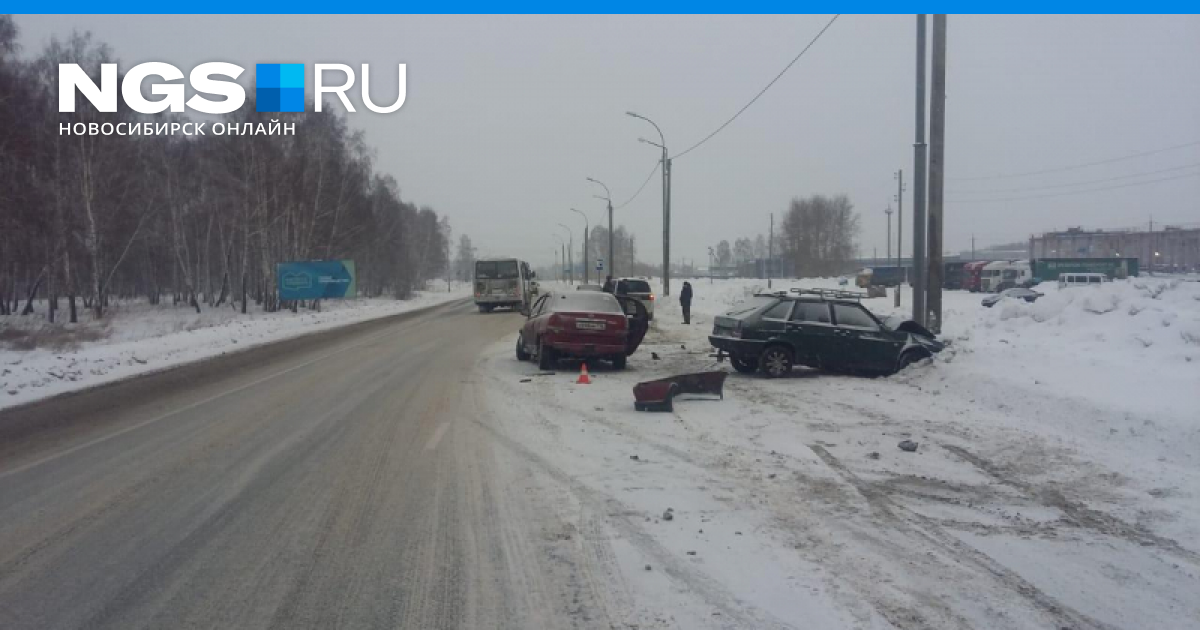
[316,279]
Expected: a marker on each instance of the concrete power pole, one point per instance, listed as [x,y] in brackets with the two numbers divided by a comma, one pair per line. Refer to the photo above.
[888,212]
[937,157]
[612,260]
[666,164]
[899,233]
[770,248]
[919,163]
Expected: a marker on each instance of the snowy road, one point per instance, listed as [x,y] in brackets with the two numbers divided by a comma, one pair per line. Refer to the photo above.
[412,473]
[344,481]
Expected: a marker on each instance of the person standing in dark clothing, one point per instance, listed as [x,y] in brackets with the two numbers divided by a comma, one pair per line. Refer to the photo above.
[608,285]
[685,300]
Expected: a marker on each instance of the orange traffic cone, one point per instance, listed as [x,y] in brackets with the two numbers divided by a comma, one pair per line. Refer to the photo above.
[584,379]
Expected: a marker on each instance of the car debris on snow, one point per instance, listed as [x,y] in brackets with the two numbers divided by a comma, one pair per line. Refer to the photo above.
[908,446]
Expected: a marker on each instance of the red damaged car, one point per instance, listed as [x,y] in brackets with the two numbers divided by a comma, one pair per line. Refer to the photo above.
[582,325]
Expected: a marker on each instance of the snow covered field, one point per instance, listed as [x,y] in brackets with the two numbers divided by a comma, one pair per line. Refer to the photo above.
[138,338]
[1056,485]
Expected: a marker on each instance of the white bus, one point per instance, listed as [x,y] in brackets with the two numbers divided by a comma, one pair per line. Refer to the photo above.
[502,282]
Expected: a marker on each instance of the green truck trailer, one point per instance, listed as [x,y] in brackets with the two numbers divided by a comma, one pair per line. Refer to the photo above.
[1047,269]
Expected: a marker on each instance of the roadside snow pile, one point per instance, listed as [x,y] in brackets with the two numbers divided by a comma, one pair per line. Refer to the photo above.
[39,360]
[1137,313]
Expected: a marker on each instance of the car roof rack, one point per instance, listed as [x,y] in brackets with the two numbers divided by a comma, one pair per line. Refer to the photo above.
[831,294]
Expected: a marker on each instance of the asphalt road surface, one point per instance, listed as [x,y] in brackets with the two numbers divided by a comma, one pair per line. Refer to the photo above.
[340,481]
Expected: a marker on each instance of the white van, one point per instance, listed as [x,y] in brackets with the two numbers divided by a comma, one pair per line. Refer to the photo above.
[1080,279]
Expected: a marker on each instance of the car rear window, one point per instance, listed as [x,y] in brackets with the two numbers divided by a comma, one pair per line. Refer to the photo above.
[587,301]
[853,316]
[779,311]
[633,286]
[816,312]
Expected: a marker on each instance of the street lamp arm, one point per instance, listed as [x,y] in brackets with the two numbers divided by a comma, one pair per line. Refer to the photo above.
[660,133]
[606,191]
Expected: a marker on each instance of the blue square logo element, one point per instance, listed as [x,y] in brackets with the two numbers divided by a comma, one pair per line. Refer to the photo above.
[279,87]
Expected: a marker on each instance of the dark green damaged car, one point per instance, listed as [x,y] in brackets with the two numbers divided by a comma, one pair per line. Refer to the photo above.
[830,330]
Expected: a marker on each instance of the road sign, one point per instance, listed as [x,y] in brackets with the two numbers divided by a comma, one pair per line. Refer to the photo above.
[316,279]
[599,264]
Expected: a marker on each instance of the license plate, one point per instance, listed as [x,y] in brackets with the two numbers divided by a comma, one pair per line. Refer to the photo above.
[591,325]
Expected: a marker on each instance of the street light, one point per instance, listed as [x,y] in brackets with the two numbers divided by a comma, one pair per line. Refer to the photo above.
[612,266]
[666,186]
[570,257]
[585,244]
[564,255]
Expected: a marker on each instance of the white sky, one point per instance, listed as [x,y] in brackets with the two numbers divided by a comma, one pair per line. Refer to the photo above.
[506,116]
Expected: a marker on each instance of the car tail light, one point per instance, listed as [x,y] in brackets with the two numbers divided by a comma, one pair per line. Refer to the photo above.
[556,323]
[737,329]
[651,297]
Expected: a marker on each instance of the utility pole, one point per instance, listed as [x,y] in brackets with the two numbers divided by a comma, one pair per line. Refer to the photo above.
[972,248]
[900,229]
[888,212]
[666,223]
[612,262]
[710,265]
[666,175]
[770,248]
[937,157]
[586,252]
[919,282]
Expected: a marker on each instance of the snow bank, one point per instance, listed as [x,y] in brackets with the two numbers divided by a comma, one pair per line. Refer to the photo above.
[138,338]
[1058,442]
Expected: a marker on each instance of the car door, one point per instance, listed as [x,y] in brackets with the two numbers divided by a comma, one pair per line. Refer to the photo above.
[861,342]
[530,330]
[811,333]
[638,320]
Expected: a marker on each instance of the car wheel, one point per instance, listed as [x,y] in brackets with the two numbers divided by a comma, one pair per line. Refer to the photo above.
[546,358]
[618,363]
[744,365]
[485,309]
[522,355]
[775,361]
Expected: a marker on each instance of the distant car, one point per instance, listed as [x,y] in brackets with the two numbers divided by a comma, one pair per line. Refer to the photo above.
[1029,295]
[582,325]
[638,289]
[589,287]
[817,328]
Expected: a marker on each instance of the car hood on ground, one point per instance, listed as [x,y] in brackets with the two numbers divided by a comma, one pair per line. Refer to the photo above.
[916,332]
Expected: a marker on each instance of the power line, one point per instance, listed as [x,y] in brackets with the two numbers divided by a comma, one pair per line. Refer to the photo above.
[640,188]
[1078,166]
[1078,192]
[1084,183]
[761,92]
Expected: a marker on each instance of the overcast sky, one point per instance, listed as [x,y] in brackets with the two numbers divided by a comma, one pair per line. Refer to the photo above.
[506,116]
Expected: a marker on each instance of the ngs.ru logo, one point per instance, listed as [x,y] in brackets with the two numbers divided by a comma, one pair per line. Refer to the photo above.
[279,87]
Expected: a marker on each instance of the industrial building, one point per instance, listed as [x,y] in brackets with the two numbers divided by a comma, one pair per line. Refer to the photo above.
[1173,248]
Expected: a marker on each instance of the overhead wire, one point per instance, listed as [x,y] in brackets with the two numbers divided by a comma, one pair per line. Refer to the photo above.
[1068,185]
[1059,169]
[761,92]
[1076,192]
[640,188]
